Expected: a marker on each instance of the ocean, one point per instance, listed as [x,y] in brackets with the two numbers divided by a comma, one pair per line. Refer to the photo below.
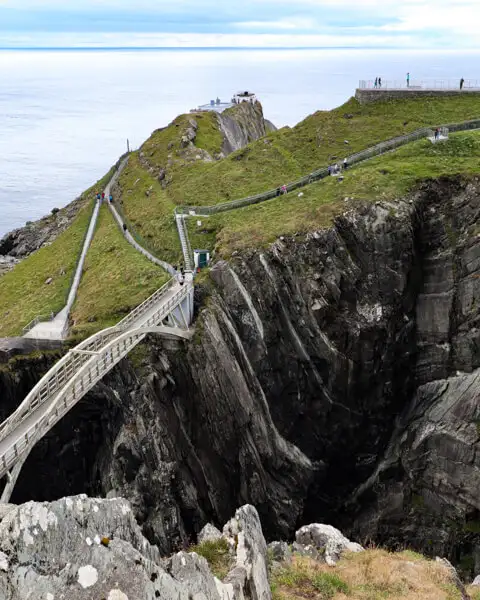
[66,115]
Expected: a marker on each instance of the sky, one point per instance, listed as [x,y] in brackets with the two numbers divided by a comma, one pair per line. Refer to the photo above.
[426,24]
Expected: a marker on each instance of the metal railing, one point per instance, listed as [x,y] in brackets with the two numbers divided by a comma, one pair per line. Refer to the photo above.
[357,157]
[52,382]
[432,84]
[376,150]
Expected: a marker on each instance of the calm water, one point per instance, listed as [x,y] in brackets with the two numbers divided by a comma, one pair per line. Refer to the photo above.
[65,116]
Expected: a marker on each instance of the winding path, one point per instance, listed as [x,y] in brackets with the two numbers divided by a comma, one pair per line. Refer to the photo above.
[169,311]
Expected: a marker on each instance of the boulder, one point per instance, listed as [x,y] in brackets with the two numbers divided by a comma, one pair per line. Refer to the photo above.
[85,548]
[279,551]
[476,581]
[330,542]
[209,534]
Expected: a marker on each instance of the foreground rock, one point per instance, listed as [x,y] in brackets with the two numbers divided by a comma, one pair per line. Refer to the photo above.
[327,541]
[84,548]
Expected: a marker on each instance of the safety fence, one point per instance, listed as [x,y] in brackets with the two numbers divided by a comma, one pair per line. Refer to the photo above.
[362,155]
[420,84]
[377,150]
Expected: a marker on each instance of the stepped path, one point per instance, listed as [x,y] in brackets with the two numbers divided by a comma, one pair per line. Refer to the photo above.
[168,312]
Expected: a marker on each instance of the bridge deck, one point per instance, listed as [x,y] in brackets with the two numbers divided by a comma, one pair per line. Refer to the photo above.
[25,427]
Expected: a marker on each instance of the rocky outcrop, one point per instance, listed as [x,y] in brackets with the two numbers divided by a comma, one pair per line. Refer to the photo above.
[330,543]
[332,377]
[242,124]
[86,548]
[21,242]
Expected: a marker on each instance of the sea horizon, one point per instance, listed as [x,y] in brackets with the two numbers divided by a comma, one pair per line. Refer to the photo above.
[66,113]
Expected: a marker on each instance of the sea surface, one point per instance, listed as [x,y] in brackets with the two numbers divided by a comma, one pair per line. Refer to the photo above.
[66,115]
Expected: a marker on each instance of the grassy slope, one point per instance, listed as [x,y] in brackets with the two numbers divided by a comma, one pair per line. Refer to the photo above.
[116,279]
[23,291]
[383,178]
[369,575]
[275,159]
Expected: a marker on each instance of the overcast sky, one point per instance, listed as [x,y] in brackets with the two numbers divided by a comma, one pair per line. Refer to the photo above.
[352,23]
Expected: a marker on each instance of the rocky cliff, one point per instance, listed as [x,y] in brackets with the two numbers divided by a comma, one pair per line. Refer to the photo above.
[332,377]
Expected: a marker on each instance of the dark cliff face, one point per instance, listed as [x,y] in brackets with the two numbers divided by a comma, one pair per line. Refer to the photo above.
[331,378]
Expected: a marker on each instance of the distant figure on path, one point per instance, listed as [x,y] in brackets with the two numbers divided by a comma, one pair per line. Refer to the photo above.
[462,81]
[345,164]
[329,169]
[111,199]
[408,79]
[277,193]
[437,133]
[284,189]
[180,277]
[103,196]
[376,82]
[124,228]
[379,82]
[98,196]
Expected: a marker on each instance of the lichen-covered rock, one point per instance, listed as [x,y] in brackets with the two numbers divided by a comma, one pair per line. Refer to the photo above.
[209,534]
[81,548]
[330,542]
[245,533]
[279,551]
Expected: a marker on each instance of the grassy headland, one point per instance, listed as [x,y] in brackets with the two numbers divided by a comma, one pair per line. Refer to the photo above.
[168,171]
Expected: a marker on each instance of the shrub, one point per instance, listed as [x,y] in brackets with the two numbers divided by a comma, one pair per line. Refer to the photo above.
[217,554]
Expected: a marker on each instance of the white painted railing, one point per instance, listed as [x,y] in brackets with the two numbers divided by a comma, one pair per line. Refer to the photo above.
[74,360]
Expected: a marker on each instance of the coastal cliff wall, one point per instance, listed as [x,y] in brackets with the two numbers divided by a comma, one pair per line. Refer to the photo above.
[333,377]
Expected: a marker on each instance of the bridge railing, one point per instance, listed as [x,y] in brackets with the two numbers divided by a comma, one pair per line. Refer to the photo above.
[71,362]
[91,368]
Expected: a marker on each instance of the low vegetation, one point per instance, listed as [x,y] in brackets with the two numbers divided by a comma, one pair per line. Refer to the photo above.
[386,178]
[40,284]
[166,172]
[283,156]
[217,553]
[369,575]
[116,278]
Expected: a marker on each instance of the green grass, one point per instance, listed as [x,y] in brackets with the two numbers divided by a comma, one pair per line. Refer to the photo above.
[278,158]
[23,291]
[387,177]
[315,142]
[151,216]
[217,554]
[116,278]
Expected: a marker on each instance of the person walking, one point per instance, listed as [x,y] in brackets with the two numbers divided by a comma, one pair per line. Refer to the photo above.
[408,79]
[345,164]
[103,196]
[180,277]
[124,228]
[98,196]
[111,199]
[284,189]
[462,81]
[379,82]
[376,82]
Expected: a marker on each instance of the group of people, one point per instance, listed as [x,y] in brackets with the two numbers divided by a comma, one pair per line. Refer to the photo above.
[378,82]
[102,197]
